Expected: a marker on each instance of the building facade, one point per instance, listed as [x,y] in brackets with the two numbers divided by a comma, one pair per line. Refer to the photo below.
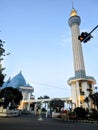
[19,82]
[81,84]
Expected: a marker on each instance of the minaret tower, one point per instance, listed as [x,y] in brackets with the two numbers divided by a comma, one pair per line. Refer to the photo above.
[81,85]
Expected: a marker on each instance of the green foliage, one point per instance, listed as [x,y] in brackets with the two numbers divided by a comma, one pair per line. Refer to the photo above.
[40,97]
[80,112]
[2,52]
[56,103]
[94,97]
[11,95]
[95,115]
[44,97]
[1,78]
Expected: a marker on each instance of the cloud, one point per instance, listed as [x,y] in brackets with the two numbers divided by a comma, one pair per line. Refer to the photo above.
[65,39]
[65,42]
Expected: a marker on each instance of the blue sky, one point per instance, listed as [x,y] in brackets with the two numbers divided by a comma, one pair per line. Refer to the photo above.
[37,35]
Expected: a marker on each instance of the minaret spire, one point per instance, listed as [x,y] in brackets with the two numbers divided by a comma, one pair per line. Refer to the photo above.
[73,11]
[72,4]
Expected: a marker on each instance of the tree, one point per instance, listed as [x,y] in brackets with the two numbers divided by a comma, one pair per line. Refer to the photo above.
[2,52]
[46,97]
[11,96]
[56,104]
[2,76]
[94,98]
[40,97]
[80,112]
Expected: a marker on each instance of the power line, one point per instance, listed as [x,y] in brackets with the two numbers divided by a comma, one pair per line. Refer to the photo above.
[43,84]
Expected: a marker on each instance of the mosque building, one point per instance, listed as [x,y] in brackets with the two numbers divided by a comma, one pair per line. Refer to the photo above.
[19,82]
[81,84]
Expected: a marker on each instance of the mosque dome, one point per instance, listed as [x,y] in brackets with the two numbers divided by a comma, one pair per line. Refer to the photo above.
[18,81]
[73,12]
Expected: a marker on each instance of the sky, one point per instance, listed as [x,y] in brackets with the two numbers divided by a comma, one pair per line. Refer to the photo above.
[37,34]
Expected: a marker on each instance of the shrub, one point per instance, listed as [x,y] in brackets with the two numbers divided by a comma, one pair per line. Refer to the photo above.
[80,112]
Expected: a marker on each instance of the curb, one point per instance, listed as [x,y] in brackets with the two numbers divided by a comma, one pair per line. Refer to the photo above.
[84,121]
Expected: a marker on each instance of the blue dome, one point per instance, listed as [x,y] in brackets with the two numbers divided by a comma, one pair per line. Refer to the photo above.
[18,81]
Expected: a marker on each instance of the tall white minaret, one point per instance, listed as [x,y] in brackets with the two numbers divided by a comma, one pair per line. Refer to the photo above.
[81,85]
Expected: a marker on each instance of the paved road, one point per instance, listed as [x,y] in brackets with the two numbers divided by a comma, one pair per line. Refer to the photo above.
[30,122]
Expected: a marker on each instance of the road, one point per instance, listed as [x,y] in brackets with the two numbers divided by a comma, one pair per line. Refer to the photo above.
[31,122]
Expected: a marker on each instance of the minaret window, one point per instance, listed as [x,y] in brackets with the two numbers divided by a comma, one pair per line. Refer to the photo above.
[79,84]
[90,85]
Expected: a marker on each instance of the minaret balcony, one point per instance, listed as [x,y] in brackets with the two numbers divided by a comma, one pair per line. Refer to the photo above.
[85,78]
